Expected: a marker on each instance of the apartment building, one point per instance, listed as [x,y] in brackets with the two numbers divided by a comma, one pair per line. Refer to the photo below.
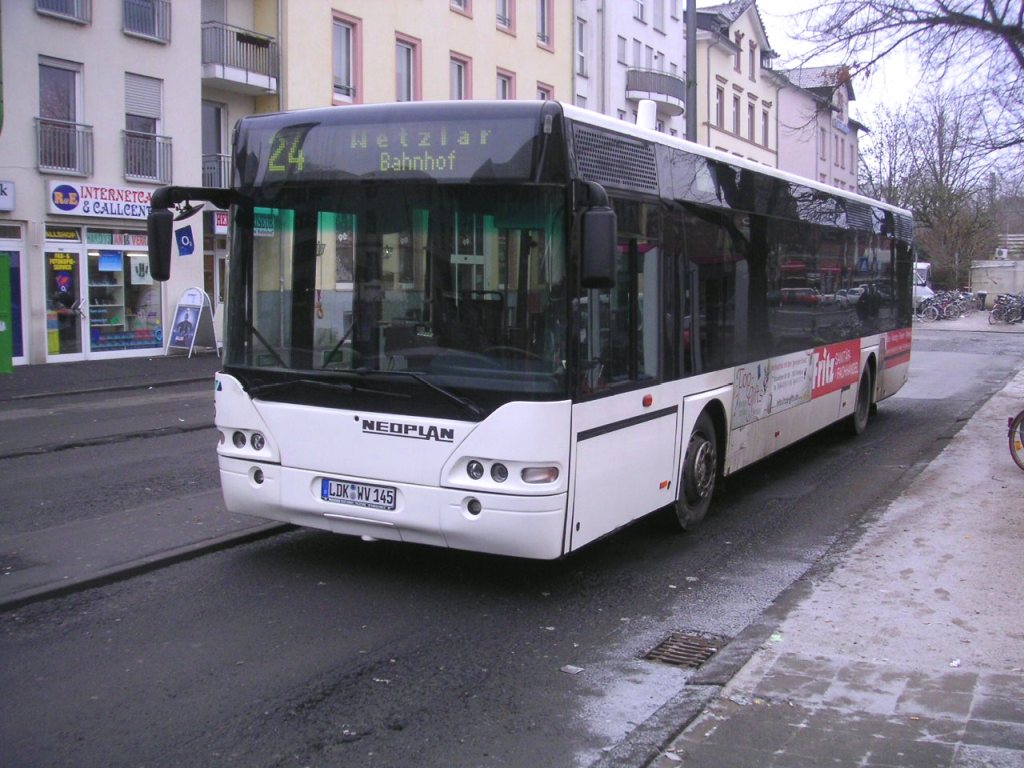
[627,51]
[370,51]
[737,88]
[102,101]
[818,138]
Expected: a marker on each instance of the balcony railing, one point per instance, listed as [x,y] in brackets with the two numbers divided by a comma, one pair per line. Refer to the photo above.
[148,18]
[147,157]
[63,147]
[79,11]
[667,90]
[217,171]
[239,56]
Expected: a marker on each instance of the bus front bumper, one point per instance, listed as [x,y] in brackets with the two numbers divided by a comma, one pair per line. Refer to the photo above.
[517,526]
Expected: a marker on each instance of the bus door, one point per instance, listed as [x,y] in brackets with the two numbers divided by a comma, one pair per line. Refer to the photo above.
[625,429]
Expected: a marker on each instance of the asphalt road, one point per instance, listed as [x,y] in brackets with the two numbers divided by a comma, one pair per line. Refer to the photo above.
[311,649]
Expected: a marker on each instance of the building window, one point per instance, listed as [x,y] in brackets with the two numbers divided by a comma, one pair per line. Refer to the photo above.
[216,159]
[621,50]
[462,6]
[853,157]
[736,115]
[461,78]
[148,18]
[581,101]
[648,57]
[640,10]
[407,73]
[505,85]
[835,150]
[79,11]
[822,143]
[842,152]
[545,92]
[764,127]
[659,15]
[146,154]
[750,122]
[637,52]
[346,44]
[63,143]
[581,56]
[737,59]
[720,107]
[752,57]
[505,12]
[544,22]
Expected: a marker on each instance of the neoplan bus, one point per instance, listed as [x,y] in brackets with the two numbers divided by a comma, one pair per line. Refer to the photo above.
[515,327]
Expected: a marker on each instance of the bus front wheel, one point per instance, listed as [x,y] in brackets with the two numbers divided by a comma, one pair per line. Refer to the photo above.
[858,420]
[699,472]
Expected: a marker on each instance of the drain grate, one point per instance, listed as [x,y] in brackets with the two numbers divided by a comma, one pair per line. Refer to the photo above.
[686,649]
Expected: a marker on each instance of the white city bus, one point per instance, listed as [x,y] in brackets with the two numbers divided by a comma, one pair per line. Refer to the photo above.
[515,327]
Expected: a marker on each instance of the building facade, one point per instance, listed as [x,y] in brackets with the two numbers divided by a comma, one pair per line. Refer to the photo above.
[102,105]
[627,51]
[344,52]
[737,89]
[818,139]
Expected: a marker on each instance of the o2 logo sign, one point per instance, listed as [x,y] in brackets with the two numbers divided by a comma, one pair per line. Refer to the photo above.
[186,241]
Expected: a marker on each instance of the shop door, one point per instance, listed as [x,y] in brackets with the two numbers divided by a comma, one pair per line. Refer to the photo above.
[66,316]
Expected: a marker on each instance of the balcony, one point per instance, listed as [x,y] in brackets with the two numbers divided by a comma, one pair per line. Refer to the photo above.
[217,171]
[78,11]
[239,60]
[150,19]
[666,90]
[147,157]
[63,147]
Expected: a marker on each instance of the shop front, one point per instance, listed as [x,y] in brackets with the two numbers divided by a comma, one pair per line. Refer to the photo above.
[100,298]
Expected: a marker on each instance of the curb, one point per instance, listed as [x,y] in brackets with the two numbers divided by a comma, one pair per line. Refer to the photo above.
[144,565]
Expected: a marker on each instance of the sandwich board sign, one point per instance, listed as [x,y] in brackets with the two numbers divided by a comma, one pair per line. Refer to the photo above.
[192,325]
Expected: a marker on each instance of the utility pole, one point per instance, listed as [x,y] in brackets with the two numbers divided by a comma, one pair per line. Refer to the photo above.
[691,70]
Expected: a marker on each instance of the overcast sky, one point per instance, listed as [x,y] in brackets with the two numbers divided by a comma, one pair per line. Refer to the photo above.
[888,83]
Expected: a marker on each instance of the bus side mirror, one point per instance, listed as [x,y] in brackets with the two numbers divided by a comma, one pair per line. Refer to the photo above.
[598,248]
[159,226]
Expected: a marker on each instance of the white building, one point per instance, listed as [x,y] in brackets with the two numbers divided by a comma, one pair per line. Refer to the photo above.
[737,89]
[625,51]
[817,137]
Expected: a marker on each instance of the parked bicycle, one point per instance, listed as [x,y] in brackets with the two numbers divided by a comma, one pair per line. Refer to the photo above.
[1016,425]
[945,305]
[1008,308]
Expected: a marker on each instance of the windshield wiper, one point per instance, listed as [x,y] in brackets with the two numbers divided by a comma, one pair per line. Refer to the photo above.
[259,389]
[465,403]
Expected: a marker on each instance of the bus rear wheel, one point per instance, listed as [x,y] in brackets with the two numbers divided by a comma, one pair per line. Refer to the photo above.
[699,473]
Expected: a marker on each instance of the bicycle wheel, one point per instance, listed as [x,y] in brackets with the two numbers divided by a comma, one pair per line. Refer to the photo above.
[930,313]
[1017,439]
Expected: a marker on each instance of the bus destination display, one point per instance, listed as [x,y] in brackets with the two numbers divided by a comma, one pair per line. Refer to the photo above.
[451,150]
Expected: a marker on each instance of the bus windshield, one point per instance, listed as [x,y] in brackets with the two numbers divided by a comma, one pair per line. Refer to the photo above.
[455,288]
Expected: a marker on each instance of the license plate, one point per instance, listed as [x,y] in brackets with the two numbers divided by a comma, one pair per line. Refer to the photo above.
[357,494]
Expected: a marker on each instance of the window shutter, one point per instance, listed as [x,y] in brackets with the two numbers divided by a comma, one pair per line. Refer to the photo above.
[142,96]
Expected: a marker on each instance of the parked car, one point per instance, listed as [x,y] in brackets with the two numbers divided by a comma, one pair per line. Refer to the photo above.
[808,297]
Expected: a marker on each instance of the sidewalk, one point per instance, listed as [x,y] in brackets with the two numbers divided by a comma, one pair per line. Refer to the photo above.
[909,650]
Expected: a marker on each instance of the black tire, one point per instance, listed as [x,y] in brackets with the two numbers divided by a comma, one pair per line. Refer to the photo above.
[857,422]
[699,474]
[1017,439]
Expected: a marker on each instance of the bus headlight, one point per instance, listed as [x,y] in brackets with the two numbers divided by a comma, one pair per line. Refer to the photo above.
[499,473]
[257,441]
[475,469]
[537,475]
[238,439]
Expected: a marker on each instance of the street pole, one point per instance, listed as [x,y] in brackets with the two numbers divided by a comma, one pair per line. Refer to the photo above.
[691,70]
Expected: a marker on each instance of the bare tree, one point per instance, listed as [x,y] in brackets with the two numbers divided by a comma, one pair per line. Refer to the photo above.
[927,157]
[981,41]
